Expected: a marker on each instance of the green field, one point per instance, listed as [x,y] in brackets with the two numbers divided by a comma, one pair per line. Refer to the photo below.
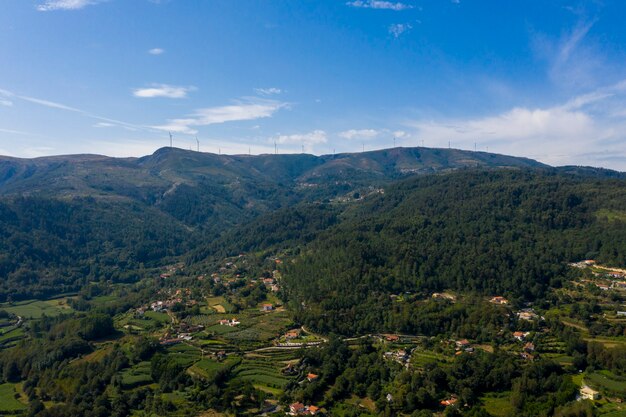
[158,317]
[138,375]
[606,381]
[264,370]
[9,334]
[207,368]
[498,405]
[8,403]
[35,308]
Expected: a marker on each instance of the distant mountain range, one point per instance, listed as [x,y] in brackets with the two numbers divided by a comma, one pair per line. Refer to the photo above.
[159,172]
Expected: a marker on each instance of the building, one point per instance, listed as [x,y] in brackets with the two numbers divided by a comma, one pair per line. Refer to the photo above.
[267,307]
[527,314]
[462,344]
[450,401]
[588,393]
[519,335]
[296,409]
[312,377]
[292,334]
[499,300]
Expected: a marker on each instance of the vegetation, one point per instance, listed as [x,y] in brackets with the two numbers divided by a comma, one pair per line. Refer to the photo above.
[240,286]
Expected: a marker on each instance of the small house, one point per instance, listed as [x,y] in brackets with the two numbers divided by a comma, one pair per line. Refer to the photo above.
[462,344]
[296,409]
[499,300]
[588,393]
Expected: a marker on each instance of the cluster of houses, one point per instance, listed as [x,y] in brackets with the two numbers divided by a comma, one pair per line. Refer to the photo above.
[271,284]
[299,409]
[401,356]
[463,345]
[180,333]
[615,277]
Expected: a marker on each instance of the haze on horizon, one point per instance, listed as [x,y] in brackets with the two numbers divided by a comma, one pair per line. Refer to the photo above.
[540,79]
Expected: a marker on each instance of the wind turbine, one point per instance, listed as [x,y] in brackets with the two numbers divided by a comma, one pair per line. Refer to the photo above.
[170,139]
[198,143]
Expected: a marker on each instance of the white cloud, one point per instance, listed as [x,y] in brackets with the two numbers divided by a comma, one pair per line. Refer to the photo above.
[579,131]
[50,5]
[156,51]
[268,91]
[398,29]
[360,134]
[163,90]
[104,124]
[13,132]
[307,140]
[5,102]
[246,109]
[379,4]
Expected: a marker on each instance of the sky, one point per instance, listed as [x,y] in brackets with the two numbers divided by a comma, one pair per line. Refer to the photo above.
[544,79]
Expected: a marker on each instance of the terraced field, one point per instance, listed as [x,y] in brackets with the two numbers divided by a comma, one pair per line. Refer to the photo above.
[263,369]
[185,354]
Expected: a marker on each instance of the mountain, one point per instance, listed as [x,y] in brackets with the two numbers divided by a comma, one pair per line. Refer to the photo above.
[149,177]
[68,220]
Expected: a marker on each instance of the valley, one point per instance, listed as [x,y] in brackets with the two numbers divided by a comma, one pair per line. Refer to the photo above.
[472,292]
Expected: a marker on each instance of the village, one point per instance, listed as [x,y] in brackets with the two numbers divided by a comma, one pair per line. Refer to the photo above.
[232,318]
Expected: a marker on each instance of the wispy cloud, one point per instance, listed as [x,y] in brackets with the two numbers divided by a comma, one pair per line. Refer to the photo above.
[573,60]
[50,5]
[60,106]
[156,51]
[163,90]
[379,4]
[268,91]
[5,102]
[398,29]
[241,110]
[561,134]
[307,140]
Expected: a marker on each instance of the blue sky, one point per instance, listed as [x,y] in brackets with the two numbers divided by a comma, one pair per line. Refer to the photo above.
[538,78]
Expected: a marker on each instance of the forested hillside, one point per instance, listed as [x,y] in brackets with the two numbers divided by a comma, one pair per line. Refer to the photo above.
[494,233]
[54,246]
[68,220]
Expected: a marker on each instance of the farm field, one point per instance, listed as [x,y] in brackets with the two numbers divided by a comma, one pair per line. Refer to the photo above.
[8,402]
[498,405]
[607,382]
[34,309]
[137,375]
